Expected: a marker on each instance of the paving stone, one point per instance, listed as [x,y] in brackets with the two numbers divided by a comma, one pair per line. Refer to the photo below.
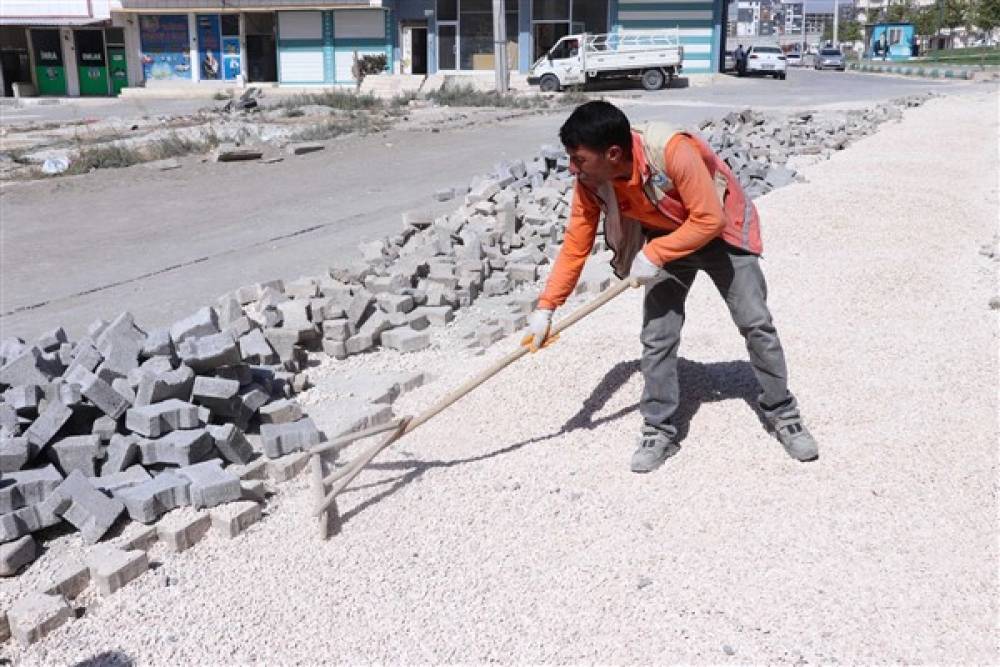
[337,330]
[489,334]
[68,580]
[405,339]
[249,471]
[165,386]
[288,467]
[15,452]
[283,341]
[10,423]
[231,443]
[254,490]
[26,520]
[373,327]
[356,414]
[254,396]
[437,315]
[148,501]
[115,481]
[211,485]
[231,519]
[83,506]
[159,418]
[23,399]
[238,372]
[281,439]
[359,343]
[122,452]
[360,307]
[112,568]
[255,349]
[15,555]
[52,418]
[204,322]
[104,428]
[29,367]
[281,412]
[78,452]
[180,533]
[35,615]
[157,344]
[27,487]
[178,448]
[208,352]
[217,394]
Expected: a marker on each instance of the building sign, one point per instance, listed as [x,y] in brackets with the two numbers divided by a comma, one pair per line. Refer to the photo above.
[165,54]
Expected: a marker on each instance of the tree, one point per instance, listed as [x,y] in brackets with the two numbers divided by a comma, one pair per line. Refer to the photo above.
[986,15]
[925,23]
[898,12]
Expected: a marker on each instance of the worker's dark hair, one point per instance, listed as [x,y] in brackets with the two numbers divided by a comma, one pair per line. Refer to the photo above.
[597,125]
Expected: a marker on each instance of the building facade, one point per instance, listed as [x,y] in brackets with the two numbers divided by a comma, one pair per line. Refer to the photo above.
[98,47]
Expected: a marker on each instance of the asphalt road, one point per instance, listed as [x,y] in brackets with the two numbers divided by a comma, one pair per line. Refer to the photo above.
[161,244]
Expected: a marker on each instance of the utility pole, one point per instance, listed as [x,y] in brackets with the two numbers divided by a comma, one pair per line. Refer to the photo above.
[500,46]
[836,21]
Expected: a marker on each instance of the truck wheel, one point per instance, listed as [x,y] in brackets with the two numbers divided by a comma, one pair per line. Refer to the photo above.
[652,79]
[782,76]
[549,84]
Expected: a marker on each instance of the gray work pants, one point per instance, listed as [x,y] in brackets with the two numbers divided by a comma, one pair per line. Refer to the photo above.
[740,281]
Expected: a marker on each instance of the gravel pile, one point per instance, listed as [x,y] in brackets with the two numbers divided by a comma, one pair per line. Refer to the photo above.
[510,529]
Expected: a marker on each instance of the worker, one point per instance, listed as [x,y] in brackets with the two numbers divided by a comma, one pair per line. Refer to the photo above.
[739,59]
[671,208]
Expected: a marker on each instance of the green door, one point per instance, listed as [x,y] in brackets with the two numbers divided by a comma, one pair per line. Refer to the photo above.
[90,61]
[50,72]
[117,69]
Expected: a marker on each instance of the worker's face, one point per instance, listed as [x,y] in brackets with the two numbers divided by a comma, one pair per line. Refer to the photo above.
[595,167]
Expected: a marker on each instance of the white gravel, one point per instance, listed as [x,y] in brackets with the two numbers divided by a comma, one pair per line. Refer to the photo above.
[510,530]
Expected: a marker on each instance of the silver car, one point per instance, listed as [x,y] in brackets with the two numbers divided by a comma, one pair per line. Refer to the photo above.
[829,59]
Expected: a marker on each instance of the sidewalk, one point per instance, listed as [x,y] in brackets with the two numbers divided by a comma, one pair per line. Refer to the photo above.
[510,530]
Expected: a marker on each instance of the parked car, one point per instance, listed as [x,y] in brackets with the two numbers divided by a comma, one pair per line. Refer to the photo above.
[793,59]
[766,60]
[829,58]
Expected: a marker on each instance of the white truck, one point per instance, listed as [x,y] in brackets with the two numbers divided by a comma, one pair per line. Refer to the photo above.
[654,57]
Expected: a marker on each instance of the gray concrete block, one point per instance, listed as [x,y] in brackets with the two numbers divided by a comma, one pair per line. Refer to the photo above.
[26,520]
[99,392]
[489,334]
[283,341]
[405,339]
[254,490]
[204,322]
[178,448]
[15,555]
[288,467]
[122,452]
[36,615]
[157,344]
[143,538]
[83,506]
[148,501]
[254,396]
[112,568]
[159,418]
[238,372]
[281,439]
[234,518]
[208,352]
[228,310]
[165,386]
[79,452]
[29,367]
[359,343]
[250,471]
[219,395]
[255,349]
[116,481]
[86,355]
[211,485]
[357,414]
[183,532]
[358,309]
[27,487]
[231,443]
[23,399]
[104,428]
[375,325]
[15,452]
[337,330]
[10,423]
[437,315]
[68,580]
[281,412]
[395,303]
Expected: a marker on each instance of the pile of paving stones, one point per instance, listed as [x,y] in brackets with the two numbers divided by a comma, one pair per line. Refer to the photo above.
[126,422]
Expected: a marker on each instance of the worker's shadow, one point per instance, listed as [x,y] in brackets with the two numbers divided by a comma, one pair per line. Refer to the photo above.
[699,384]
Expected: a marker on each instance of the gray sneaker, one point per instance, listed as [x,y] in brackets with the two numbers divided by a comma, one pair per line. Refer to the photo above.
[655,447]
[795,437]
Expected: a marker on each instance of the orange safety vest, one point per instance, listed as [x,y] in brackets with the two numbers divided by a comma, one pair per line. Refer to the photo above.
[625,236]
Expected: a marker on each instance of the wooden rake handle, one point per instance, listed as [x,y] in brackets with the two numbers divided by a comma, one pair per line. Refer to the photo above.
[345,477]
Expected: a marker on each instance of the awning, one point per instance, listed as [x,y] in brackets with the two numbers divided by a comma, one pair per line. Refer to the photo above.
[166,6]
[51,21]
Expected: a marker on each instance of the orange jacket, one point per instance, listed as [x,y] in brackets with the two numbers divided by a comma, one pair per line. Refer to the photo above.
[696,189]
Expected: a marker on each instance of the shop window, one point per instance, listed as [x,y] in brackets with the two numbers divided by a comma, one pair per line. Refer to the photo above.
[447,10]
[550,10]
[230,25]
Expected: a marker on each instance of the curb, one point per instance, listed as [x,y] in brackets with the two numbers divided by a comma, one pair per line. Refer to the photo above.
[920,71]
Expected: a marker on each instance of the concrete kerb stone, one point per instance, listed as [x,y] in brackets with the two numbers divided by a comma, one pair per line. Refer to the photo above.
[15,555]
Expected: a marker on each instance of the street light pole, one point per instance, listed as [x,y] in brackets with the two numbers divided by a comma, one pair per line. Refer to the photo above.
[836,21]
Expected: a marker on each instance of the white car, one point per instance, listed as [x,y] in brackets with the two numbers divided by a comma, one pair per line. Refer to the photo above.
[793,59]
[766,60]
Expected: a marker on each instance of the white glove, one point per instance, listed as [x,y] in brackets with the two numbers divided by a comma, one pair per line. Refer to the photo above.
[644,271]
[537,334]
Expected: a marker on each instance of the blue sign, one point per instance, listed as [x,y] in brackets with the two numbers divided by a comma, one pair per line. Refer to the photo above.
[231,57]
[891,41]
[209,47]
[165,54]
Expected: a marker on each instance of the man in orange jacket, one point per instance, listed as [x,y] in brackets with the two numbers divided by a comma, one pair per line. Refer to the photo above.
[671,207]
